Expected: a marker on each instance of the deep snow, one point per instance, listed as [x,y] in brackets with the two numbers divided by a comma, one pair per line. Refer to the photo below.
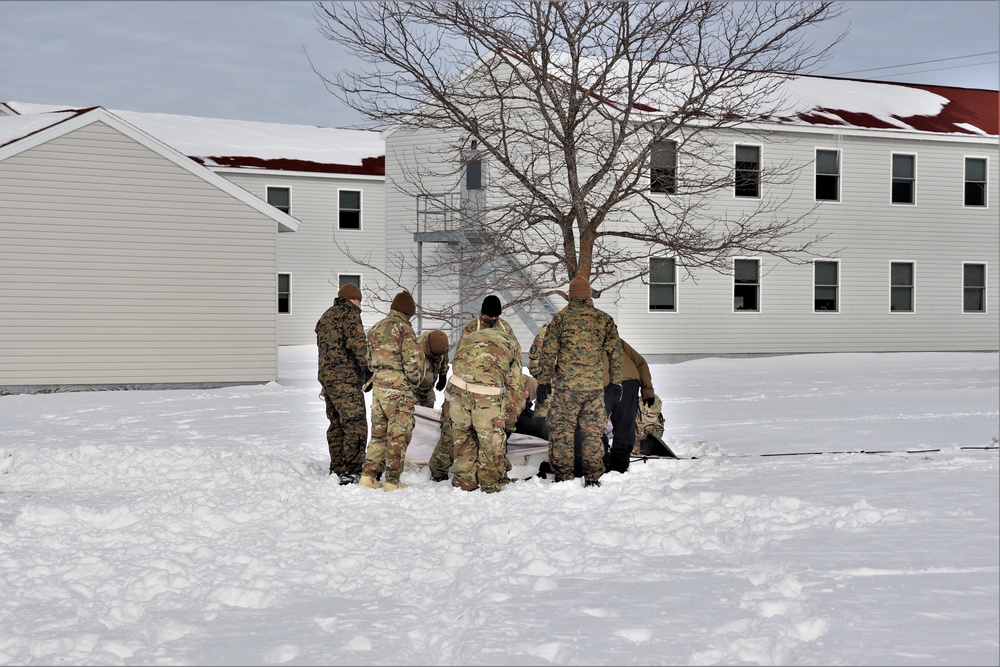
[200,527]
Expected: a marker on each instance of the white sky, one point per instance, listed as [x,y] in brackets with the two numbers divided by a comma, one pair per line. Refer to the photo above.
[247,60]
[201,528]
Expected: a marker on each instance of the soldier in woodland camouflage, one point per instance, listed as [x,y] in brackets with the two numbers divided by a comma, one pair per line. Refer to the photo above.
[433,366]
[486,395]
[572,360]
[488,318]
[395,361]
[343,369]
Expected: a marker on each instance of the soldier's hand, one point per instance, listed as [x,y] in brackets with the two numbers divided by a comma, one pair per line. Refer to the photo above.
[616,392]
[648,401]
[442,381]
[543,392]
[368,381]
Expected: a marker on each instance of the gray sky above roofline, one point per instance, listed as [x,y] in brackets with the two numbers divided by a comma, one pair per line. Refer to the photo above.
[247,59]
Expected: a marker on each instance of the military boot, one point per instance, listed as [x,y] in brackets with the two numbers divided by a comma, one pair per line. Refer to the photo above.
[392,486]
[369,482]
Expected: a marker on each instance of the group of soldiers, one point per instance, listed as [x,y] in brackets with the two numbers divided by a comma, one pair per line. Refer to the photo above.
[576,364]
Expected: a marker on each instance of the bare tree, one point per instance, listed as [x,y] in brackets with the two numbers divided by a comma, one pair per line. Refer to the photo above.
[566,106]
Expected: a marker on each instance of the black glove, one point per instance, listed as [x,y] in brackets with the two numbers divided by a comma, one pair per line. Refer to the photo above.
[543,392]
[615,393]
[648,402]
[442,381]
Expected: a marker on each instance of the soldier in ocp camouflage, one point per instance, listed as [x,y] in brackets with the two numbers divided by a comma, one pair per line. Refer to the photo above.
[395,360]
[486,395]
[541,407]
[488,318]
[343,367]
[572,362]
[433,367]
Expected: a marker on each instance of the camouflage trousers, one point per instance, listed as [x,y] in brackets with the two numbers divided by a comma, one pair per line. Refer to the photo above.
[392,428]
[569,411]
[348,430]
[444,450]
[425,398]
[480,441]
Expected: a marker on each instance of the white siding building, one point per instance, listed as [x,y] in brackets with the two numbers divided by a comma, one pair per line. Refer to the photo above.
[124,263]
[906,190]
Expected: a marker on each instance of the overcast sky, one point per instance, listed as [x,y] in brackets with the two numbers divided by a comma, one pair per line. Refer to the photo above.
[247,60]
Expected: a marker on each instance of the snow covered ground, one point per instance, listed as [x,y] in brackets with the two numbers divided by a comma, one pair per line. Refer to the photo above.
[200,527]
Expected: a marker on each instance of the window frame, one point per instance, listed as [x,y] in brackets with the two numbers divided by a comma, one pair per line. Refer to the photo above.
[669,175]
[816,174]
[983,288]
[341,211]
[288,293]
[737,171]
[966,182]
[893,179]
[286,188]
[836,286]
[912,287]
[757,285]
[673,285]
[473,174]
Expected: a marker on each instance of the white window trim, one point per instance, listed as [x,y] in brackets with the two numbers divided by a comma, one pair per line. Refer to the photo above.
[916,177]
[677,290]
[290,302]
[976,208]
[361,211]
[840,289]
[986,288]
[760,287]
[760,174]
[840,175]
[291,196]
[901,313]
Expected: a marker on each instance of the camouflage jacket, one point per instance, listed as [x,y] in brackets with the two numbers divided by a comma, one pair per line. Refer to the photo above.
[395,356]
[535,349]
[574,347]
[491,357]
[430,368]
[479,324]
[343,348]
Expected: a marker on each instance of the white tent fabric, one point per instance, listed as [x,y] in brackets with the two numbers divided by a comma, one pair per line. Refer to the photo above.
[521,449]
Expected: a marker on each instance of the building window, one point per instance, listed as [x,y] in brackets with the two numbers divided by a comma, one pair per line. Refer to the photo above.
[746,284]
[904,179]
[663,167]
[662,283]
[284,293]
[975,181]
[350,209]
[349,279]
[827,175]
[973,288]
[474,175]
[826,283]
[280,198]
[747,182]
[901,297]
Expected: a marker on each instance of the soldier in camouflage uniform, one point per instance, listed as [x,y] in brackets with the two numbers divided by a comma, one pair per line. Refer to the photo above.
[395,360]
[486,394]
[343,369]
[572,360]
[488,318]
[433,366]
[541,407]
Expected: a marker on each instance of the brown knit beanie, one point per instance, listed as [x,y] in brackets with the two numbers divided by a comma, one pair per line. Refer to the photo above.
[579,287]
[403,303]
[437,342]
[350,291]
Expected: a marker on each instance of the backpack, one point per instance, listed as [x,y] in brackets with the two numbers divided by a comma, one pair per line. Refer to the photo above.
[649,420]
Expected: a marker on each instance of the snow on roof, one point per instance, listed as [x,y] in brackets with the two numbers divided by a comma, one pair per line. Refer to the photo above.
[850,103]
[13,128]
[218,142]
